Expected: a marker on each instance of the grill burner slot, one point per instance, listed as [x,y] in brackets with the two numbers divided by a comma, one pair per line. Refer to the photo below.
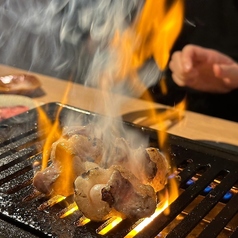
[206,174]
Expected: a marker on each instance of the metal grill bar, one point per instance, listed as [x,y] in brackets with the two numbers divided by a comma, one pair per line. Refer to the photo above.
[178,205]
[193,218]
[222,219]
[20,156]
[202,164]
[189,172]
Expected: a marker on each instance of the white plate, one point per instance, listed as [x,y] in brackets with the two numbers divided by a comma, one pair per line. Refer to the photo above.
[8,100]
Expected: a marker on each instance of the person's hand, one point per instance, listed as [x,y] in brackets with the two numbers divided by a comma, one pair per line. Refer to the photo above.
[204,69]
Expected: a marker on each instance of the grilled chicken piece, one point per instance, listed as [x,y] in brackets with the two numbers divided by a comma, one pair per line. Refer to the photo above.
[47,180]
[89,148]
[106,179]
[148,165]
[68,158]
[128,195]
[101,193]
[87,194]
[162,166]
[43,180]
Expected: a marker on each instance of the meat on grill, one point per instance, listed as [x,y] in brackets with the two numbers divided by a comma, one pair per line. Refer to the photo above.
[7,112]
[106,179]
[68,157]
[101,193]
[147,164]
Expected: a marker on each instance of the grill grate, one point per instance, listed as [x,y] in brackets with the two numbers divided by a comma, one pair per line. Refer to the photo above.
[206,206]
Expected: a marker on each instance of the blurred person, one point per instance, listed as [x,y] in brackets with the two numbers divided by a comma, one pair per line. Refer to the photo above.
[204,69]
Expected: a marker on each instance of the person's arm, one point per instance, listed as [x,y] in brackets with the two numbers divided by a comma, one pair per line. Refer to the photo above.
[204,69]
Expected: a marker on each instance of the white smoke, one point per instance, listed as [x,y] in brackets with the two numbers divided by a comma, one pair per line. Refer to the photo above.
[67,38]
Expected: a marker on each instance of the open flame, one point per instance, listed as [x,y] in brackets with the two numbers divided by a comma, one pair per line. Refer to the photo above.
[170,194]
[151,36]
[157,28]
[160,208]
[52,129]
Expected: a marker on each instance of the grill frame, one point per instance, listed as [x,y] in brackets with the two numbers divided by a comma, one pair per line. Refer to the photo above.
[23,146]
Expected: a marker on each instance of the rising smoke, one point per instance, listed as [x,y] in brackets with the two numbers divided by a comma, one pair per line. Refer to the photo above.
[68,38]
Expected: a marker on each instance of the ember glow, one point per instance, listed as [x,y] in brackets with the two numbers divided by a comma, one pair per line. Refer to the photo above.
[82,221]
[160,208]
[68,210]
[51,202]
[109,225]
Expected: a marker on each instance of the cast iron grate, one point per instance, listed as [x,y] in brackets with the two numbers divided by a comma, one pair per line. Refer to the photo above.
[206,206]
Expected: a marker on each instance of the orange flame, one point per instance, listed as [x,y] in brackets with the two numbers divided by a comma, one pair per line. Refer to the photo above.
[51,202]
[82,221]
[53,133]
[52,129]
[157,30]
[171,193]
[152,35]
[160,208]
[68,210]
[109,225]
